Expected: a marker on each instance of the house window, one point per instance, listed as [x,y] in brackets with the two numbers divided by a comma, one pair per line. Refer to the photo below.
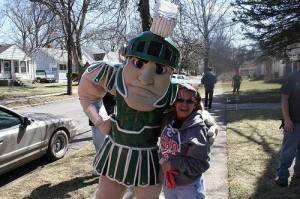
[62,67]
[7,66]
[16,66]
[23,66]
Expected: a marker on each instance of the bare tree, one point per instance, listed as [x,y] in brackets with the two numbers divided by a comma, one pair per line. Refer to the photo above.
[204,16]
[143,8]
[33,24]
[72,14]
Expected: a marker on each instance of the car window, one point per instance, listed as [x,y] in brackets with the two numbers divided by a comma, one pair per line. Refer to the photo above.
[40,72]
[7,120]
[178,76]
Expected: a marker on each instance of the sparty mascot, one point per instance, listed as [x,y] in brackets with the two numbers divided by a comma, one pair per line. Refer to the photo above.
[129,155]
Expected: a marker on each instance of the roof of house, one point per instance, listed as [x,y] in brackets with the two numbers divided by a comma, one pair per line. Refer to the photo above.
[62,55]
[4,47]
[91,50]
[57,54]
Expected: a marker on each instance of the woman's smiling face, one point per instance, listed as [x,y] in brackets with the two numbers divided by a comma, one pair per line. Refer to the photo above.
[146,82]
[185,102]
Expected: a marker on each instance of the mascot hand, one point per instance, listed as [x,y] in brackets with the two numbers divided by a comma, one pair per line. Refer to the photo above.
[104,127]
[212,134]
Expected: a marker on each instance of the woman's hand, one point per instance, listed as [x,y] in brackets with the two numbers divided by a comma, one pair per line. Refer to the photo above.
[165,166]
[289,126]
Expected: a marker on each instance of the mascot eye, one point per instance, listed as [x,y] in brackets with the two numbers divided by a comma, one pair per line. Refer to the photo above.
[139,63]
[160,69]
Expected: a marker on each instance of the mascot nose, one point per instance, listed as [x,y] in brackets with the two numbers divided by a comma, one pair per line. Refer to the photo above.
[146,76]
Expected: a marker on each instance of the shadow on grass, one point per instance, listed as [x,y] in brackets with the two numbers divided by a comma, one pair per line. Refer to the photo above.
[23,170]
[62,190]
[253,96]
[265,187]
[255,115]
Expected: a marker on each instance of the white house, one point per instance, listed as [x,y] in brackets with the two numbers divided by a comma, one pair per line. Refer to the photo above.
[54,61]
[277,68]
[15,63]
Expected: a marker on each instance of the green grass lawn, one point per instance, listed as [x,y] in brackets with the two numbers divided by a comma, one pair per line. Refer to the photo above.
[253,92]
[254,142]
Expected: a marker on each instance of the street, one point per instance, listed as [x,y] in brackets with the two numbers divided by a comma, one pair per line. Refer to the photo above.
[68,108]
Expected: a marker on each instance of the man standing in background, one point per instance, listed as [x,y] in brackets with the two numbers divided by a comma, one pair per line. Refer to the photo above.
[236,83]
[290,149]
[209,80]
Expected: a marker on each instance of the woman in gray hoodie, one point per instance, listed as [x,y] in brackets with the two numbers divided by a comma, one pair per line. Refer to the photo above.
[184,147]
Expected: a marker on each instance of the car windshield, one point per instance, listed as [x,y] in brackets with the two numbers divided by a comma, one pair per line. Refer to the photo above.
[40,72]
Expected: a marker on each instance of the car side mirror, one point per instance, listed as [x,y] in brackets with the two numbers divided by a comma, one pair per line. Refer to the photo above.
[26,121]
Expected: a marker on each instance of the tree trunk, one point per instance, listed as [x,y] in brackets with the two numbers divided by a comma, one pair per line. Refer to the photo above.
[78,57]
[70,43]
[143,8]
[69,74]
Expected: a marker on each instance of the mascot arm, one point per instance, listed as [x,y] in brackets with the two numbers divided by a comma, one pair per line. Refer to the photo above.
[91,92]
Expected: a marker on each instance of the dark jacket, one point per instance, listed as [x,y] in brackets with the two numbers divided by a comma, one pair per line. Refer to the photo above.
[189,151]
[209,80]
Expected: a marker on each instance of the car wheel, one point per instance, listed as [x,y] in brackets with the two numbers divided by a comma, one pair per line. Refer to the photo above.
[58,145]
[38,81]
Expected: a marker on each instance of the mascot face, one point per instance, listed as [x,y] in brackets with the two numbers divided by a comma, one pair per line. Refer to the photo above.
[146,82]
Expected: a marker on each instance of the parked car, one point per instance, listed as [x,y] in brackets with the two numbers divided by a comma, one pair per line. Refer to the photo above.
[26,137]
[44,76]
[179,78]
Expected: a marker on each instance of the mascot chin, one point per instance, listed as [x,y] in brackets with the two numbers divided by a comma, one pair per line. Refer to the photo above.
[142,88]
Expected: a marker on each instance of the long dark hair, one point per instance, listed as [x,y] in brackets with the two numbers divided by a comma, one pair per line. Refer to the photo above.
[198,103]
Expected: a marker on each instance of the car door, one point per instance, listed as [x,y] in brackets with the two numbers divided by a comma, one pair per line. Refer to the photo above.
[18,143]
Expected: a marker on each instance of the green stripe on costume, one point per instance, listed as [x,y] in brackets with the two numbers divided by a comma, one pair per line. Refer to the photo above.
[113,161]
[93,67]
[144,162]
[101,73]
[131,173]
[122,165]
[103,157]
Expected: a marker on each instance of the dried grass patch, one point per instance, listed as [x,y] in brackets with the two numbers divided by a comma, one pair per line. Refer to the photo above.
[69,177]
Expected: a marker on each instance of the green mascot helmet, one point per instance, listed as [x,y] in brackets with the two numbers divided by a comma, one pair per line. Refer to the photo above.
[152,47]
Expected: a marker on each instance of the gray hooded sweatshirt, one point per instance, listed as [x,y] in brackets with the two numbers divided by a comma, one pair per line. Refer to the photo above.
[187,148]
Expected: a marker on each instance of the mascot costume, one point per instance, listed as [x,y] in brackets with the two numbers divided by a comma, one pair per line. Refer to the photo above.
[143,90]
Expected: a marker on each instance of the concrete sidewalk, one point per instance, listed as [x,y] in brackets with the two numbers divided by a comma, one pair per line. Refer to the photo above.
[216,178]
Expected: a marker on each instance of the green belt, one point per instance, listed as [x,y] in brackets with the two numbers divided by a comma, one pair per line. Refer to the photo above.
[145,137]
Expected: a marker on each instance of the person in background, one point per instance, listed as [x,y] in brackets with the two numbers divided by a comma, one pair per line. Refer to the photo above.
[209,80]
[290,149]
[184,147]
[236,83]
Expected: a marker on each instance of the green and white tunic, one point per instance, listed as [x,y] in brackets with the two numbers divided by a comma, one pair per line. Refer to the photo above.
[129,154]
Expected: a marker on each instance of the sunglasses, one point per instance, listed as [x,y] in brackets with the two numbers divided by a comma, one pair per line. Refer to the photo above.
[188,101]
